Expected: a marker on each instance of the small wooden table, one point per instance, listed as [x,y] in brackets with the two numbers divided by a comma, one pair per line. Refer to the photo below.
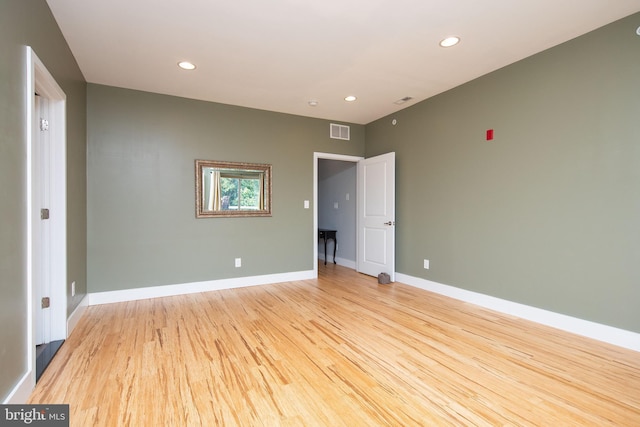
[325,235]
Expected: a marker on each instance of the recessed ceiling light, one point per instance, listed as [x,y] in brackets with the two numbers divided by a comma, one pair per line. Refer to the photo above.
[350,98]
[450,41]
[186,65]
[313,103]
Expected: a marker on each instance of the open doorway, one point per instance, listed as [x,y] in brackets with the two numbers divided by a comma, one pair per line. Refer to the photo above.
[375,207]
[335,205]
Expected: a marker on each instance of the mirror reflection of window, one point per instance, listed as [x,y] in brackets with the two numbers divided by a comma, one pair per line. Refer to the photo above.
[233,189]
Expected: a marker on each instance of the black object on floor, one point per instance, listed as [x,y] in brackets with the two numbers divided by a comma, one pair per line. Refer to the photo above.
[44,355]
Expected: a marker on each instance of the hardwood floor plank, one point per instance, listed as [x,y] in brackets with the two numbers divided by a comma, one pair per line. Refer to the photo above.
[337,351]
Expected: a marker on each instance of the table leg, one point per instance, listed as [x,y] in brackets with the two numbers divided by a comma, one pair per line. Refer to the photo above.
[325,250]
[335,246]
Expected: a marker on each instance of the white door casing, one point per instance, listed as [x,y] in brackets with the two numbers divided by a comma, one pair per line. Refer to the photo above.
[316,157]
[376,215]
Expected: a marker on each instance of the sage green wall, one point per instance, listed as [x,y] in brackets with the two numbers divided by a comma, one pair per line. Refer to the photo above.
[548,213]
[142,229]
[30,23]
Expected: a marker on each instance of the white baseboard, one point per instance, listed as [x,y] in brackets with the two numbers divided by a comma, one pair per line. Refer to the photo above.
[22,391]
[608,334]
[73,320]
[340,261]
[190,288]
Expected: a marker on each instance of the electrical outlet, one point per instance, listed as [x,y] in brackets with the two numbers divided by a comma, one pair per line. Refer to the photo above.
[306,204]
[426,264]
[238,262]
[73,288]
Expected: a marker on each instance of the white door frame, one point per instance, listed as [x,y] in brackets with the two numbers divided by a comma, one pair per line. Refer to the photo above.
[41,81]
[316,157]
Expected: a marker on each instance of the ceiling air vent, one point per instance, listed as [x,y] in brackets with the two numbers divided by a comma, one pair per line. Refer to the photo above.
[403,100]
[339,132]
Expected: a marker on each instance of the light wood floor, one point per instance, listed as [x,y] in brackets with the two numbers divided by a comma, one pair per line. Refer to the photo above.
[337,351]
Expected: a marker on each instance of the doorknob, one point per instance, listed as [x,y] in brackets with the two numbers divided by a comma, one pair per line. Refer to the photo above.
[390,223]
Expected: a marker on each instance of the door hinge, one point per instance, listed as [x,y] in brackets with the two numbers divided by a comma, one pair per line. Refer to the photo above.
[44,213]
[44,124]
[46,302]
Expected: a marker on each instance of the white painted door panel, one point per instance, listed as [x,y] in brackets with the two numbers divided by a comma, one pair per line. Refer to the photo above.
[376,215]
[42,230]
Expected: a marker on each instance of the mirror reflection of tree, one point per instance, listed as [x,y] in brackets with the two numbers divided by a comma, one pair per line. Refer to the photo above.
[240,192]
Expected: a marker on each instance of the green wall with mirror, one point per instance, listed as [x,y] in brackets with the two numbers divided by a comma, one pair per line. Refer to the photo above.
[142,189]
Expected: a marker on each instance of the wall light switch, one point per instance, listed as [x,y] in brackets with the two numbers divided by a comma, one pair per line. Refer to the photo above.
[238,262]
[426,264]
[306,204]
[335,205]
[347,197]
[73,288]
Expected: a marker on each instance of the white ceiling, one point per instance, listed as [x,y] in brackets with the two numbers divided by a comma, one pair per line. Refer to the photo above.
[279,54]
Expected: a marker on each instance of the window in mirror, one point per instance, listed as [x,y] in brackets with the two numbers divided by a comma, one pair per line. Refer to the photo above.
[232,189]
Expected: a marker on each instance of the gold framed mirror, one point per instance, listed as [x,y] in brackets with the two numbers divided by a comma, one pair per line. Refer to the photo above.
[232,189]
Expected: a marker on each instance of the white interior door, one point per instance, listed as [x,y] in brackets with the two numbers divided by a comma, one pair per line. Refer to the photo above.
[47,242]
[376,215]
[41,192]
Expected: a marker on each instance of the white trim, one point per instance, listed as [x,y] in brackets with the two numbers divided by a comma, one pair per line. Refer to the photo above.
[600,332]
[316,157]
[22,391]
[29,379]
[75,317]
[190,288]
